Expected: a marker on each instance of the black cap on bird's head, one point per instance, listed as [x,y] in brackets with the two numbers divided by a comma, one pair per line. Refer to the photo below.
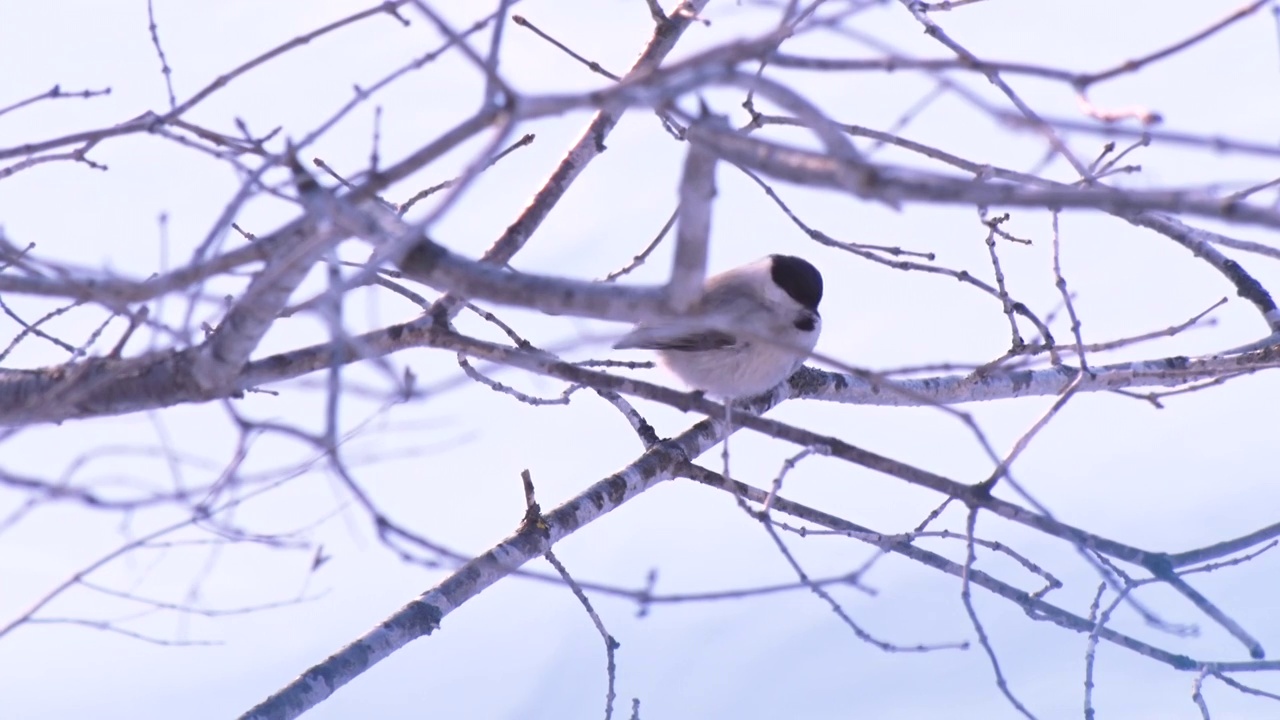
[797,278]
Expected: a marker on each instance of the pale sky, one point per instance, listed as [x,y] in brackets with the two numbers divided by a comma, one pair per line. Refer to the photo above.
[448,465]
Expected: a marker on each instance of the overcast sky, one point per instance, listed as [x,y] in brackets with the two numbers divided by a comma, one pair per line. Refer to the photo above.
[448,465]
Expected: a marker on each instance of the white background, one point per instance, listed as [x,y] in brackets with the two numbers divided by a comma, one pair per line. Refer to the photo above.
[1199,471]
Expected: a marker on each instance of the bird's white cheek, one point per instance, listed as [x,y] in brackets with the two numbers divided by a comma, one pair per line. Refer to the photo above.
[813,336]
[804,342]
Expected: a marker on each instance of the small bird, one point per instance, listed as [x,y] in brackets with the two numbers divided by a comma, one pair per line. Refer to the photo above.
[751,328]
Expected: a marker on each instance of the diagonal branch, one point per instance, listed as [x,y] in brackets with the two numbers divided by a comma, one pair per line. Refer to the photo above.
[423,615]
[589,146]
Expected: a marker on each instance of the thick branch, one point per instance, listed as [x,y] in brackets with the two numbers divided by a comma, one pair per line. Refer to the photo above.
[423,615]
[589,145]
[813,169]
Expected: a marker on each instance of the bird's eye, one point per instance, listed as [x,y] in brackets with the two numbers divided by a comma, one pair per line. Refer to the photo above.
[805,323]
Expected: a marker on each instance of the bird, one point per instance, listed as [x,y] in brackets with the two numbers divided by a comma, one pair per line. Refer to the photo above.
[750,329]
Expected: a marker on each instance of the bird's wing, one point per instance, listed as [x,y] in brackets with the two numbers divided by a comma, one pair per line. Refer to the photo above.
[686,339]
